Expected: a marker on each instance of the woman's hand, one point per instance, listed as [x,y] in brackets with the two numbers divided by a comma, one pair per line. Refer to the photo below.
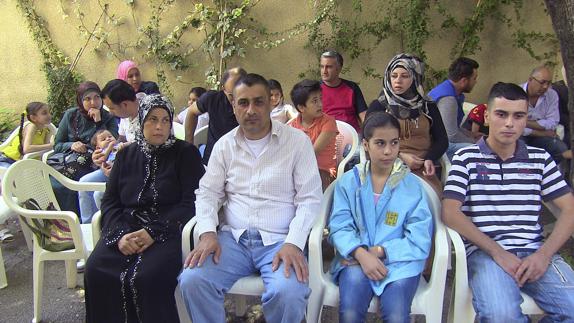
[79,147]
[135,242]
[95,114]
[142,239]
[128,246]
[412,160]
[428,168]
[371,265]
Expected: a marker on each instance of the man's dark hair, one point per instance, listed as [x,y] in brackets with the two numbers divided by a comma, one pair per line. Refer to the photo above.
[252,79]
[509,91]
[118,91]
[334,54]
[198,91]
[302,90]
[231,72]
[461,67]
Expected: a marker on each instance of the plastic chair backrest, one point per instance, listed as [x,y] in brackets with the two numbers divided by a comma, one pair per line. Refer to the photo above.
[200,136]
[12,135]
[347,136]
[178,131]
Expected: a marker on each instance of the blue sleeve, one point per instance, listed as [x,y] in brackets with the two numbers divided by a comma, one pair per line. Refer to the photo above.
[415,243]
[343,231]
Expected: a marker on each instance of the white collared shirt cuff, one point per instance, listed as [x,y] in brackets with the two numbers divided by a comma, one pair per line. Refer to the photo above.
[297,238]
[205,226]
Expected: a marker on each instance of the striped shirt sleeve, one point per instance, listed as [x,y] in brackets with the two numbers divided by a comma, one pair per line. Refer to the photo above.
[457,180]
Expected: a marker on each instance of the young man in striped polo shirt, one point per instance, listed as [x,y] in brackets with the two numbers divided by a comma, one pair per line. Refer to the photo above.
[493,198]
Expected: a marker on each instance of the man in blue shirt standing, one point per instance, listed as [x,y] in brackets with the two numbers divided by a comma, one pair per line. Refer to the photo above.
[449,97]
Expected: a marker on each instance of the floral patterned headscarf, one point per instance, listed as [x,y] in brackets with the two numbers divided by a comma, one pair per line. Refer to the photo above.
[146,104]
[415,68]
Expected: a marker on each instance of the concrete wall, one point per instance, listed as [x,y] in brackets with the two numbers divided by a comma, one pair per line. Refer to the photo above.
[23,79]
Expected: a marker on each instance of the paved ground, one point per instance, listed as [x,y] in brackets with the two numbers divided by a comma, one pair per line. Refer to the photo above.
[64,305]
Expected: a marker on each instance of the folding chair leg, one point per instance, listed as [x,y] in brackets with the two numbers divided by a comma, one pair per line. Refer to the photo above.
[3,280]
[71,273]
[38,279]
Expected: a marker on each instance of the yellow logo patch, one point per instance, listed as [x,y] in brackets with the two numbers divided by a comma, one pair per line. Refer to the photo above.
[391,218]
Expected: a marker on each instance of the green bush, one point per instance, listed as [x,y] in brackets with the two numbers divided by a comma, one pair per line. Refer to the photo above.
[9,120]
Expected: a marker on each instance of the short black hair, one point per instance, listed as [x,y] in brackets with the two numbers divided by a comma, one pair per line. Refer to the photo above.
[232,71]
[461,67]
[334,54]
[379,119]
[198,91]
[118,91]
[275,85]
[252,79]
[302,90]
[509,91]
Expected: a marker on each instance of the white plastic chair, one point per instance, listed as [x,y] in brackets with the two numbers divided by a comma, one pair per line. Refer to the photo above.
[31,179]
[250,285]
[200,136]
[461,309]
[4,211]
[3,280]
[347,135]
[178,131]
[429,296]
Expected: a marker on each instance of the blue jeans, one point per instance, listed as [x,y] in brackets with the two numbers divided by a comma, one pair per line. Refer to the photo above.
[356,293]
[454,146]
[496,296]
[203,288]
[87,204]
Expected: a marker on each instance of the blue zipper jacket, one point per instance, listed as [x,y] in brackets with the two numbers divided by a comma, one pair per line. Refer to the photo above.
[401,222]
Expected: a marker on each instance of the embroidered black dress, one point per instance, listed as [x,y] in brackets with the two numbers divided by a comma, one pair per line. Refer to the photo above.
[154,190]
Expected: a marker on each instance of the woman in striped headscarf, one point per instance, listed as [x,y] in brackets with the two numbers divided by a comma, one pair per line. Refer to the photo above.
[422,134]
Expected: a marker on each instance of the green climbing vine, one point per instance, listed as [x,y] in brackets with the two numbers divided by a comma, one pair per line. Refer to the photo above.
[226,28]
[357,34]
[210,35]
[60,74]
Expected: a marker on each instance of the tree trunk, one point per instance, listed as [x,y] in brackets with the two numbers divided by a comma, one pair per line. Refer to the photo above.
[562,15]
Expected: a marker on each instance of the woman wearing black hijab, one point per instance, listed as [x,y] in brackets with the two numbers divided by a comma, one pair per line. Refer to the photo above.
[132,273]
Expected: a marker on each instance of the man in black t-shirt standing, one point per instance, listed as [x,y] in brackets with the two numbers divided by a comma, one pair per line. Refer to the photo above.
[218,105]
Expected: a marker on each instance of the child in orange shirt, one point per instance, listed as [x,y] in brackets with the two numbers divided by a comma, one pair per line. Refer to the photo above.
[321,128]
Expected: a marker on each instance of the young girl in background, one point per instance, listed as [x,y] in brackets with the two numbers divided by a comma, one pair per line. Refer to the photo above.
[34,135]
[381,227]
[281,112]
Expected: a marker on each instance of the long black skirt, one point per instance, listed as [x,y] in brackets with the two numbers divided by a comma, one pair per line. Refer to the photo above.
[136,288]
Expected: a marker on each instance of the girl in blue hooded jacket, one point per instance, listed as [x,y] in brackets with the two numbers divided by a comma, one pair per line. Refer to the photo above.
[381,227]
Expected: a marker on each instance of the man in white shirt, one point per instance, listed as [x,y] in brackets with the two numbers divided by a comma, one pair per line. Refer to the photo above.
[267,174]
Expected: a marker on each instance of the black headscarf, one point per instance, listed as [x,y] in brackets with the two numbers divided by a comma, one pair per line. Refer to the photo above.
[83,89]
[151,152]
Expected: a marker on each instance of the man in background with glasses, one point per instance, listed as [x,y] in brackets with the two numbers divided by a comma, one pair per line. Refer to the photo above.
[543,115]
[342,99]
